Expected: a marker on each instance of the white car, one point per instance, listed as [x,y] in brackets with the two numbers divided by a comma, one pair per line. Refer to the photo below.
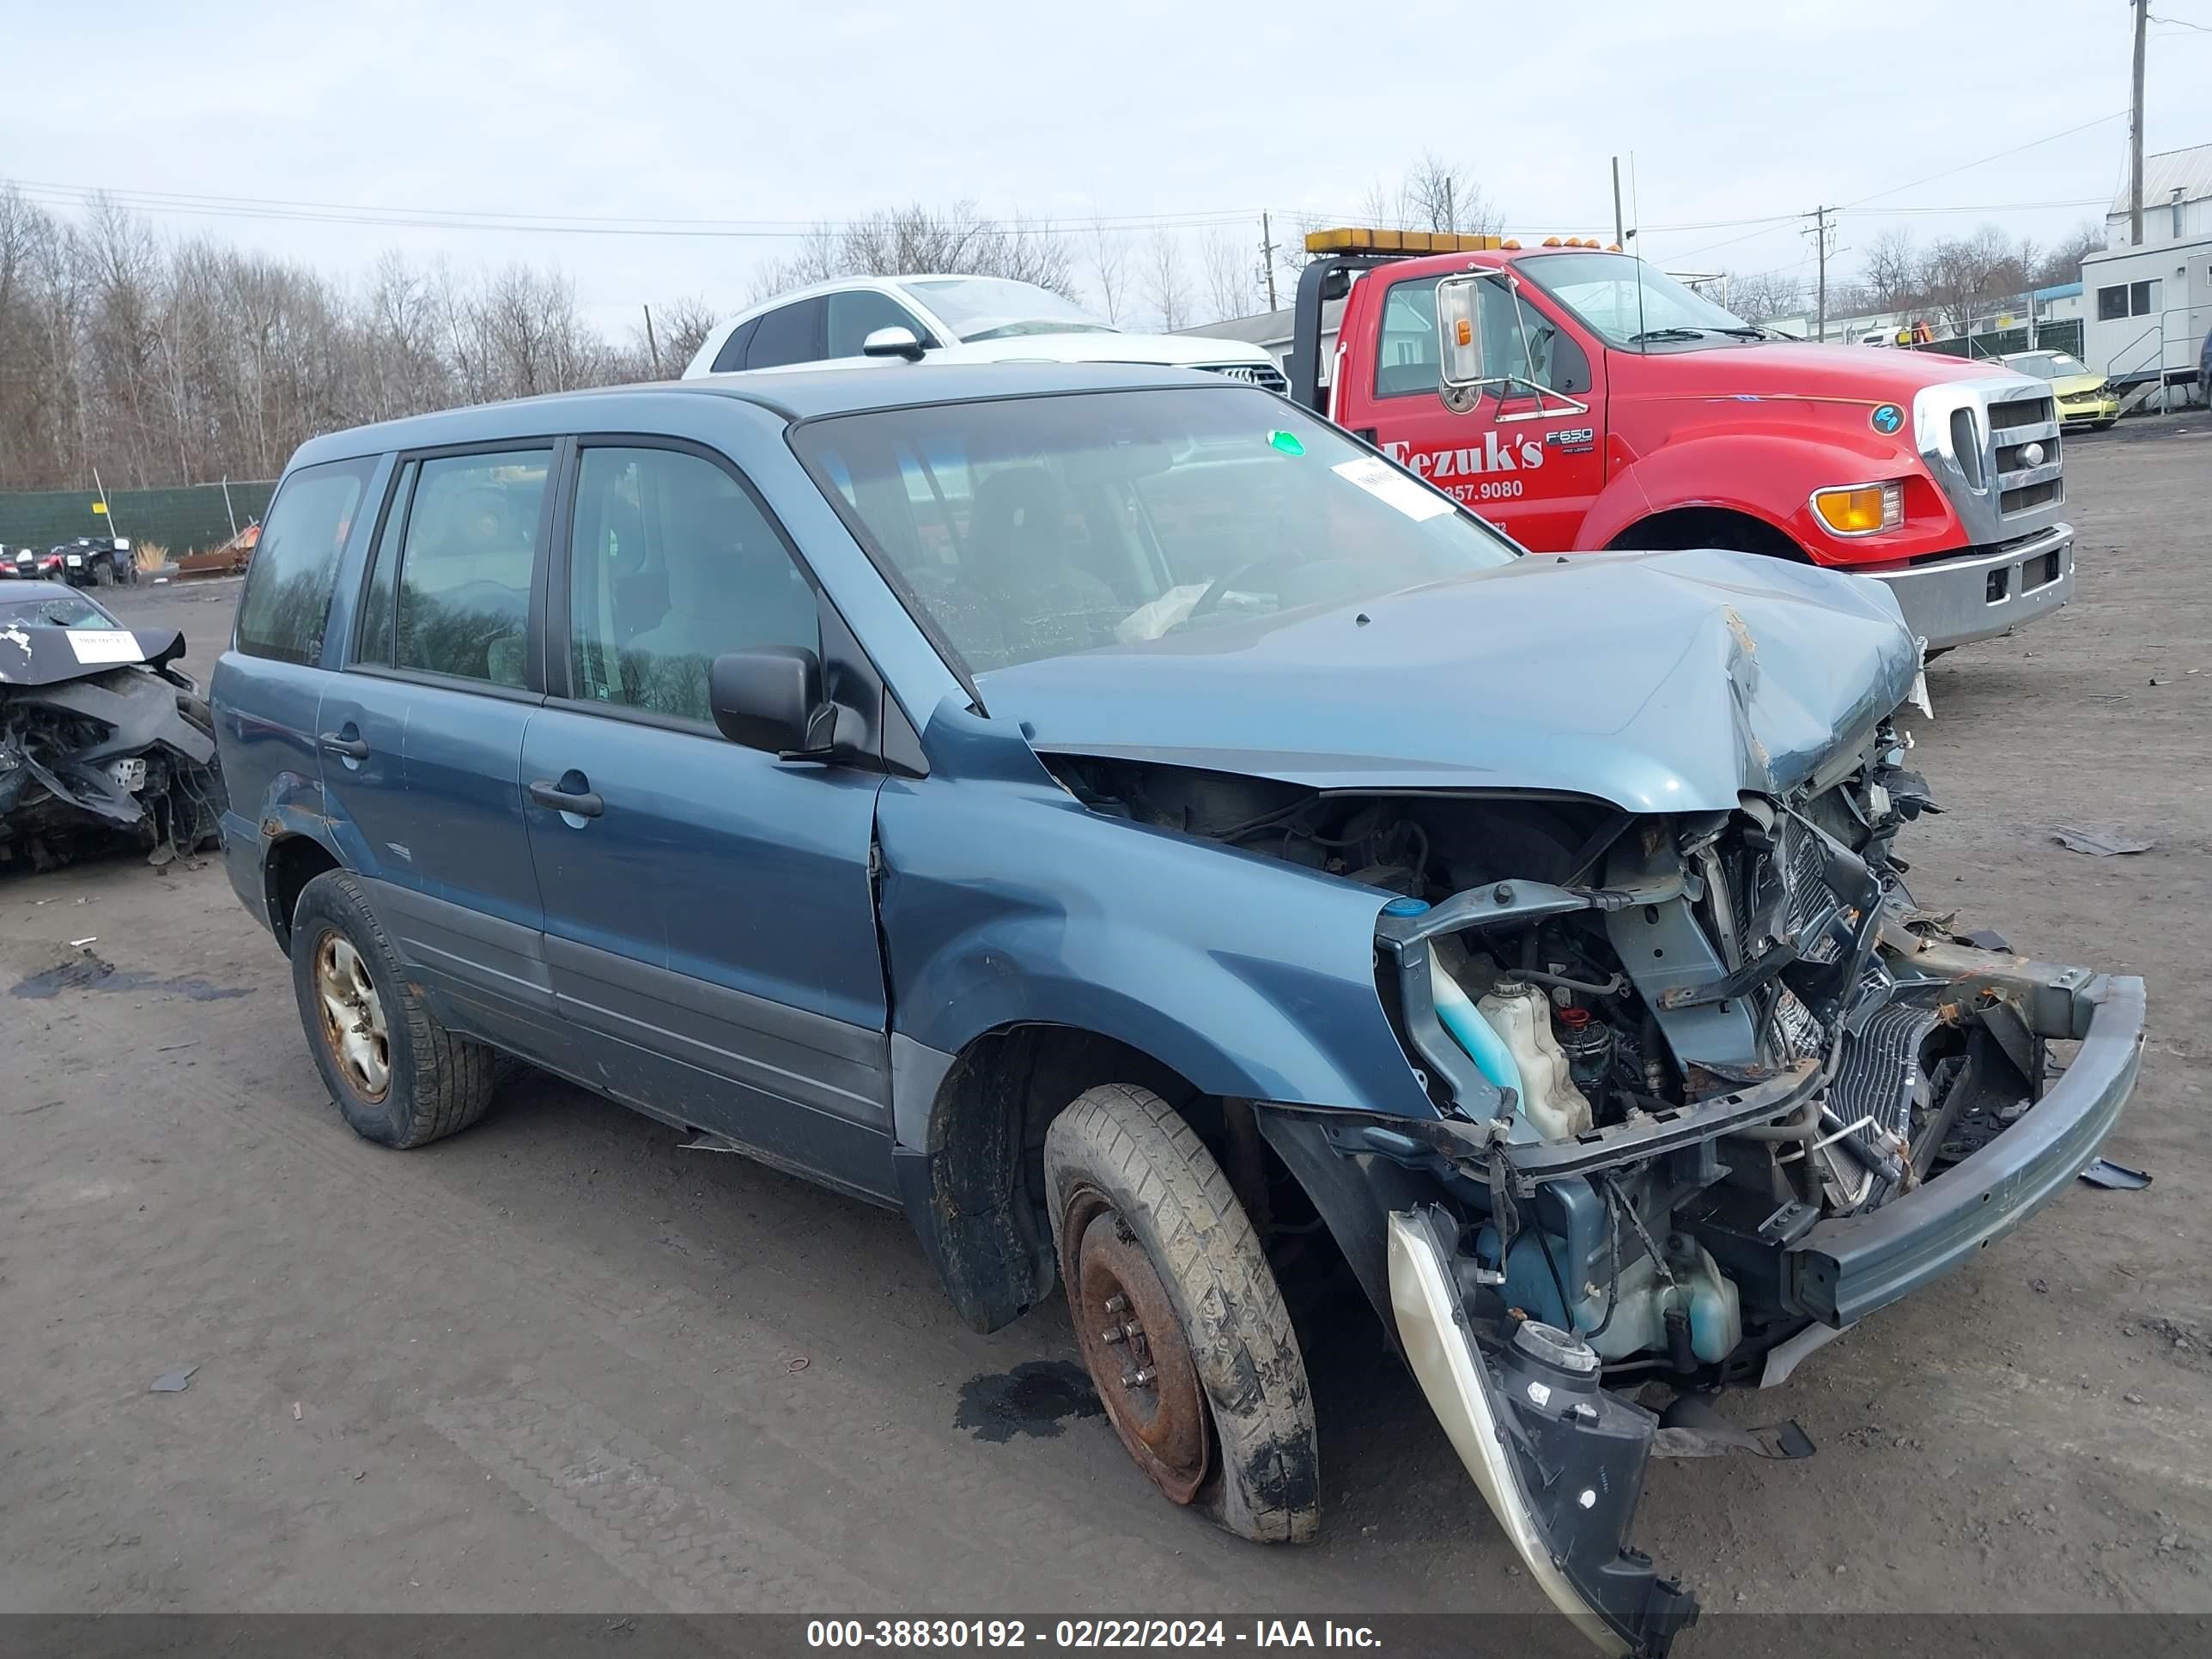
[954,319]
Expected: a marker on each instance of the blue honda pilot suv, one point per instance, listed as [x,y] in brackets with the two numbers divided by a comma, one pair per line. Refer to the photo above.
[1171,851]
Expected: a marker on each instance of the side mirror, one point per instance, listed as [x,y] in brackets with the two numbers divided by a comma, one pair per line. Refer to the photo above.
[893,342]
[1459,331]
[771,699]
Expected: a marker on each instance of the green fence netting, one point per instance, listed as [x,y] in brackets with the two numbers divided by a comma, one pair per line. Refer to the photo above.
[185,520]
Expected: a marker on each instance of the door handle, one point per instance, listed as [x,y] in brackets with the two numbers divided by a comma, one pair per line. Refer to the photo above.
[337,743]
[583,803]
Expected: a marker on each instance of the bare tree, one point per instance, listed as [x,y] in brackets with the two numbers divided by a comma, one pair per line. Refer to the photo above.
[1165,284]
[1109,269]
[1964,275]
[816,260]
[1432,195]
[1893,272]
[1758,295]
[2062,264]
[680,327]
[1228,284]
[1439,195]
[955,241]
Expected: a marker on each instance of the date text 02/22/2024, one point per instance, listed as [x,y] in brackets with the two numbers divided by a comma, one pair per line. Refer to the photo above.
[1087,1633]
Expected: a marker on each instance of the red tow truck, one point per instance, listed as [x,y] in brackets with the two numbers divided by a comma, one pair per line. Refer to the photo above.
[1580,399]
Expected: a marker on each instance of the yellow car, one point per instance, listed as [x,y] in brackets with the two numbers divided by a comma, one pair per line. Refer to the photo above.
[2084,398]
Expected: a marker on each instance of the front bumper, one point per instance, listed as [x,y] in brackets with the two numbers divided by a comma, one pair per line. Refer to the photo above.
[1981,593]
[1562,1474]
[1846,1269]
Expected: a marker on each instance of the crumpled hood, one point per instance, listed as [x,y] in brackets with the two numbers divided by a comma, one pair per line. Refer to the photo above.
[1659,682]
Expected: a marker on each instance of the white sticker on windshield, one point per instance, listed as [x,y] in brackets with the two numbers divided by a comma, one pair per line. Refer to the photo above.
[105,645]
[1386,483]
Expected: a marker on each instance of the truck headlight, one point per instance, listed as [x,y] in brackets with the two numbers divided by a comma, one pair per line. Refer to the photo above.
[1861,509]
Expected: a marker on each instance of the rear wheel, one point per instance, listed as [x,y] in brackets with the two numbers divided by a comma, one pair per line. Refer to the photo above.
[400,1078]
[1178,1316]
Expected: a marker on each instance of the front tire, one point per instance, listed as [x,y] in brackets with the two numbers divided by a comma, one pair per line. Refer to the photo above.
[400,1078]
[1178,1315]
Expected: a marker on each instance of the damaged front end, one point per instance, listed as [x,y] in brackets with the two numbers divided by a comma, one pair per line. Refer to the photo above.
[1708,1087]
[102,737]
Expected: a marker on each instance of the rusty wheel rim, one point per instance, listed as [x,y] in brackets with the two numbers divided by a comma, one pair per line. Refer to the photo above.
[1132,1342]
[352,1016]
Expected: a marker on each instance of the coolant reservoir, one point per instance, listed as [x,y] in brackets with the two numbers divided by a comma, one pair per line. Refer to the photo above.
[1521,1014]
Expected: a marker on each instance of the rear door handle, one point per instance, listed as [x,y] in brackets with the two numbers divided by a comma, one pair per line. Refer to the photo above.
[583,803]
[351,748]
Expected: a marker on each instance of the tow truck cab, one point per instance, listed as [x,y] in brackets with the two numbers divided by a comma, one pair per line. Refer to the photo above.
[1580,399]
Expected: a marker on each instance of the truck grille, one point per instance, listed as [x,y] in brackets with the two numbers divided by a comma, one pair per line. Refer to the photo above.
[1259,374]
[2030,496]
[1993,448]
[2023,456]
[2015,412]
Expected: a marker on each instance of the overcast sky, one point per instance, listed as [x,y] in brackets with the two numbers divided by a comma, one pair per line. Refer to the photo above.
[731,111]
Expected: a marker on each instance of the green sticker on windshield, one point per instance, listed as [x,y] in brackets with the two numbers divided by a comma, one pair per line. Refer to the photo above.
[1286,442]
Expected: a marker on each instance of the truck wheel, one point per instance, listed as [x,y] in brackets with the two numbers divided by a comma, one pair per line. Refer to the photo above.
[400,1078]
[1178,1315]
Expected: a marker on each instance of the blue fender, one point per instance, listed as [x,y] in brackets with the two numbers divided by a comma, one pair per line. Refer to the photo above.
[292,808]
[1005,900]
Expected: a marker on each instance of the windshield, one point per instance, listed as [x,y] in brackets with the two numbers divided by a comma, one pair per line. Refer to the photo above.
[2048,365]
[1029,528]
[55,611]
[1603,290]
[995,309]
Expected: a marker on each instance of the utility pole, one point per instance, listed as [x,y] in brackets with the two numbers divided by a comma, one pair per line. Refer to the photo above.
[1619,233]
[2135,131]
[1821,232]
[651,345]
[1451,219]
[1267,257]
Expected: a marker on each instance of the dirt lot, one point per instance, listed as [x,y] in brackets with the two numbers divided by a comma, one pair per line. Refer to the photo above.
[556,1363]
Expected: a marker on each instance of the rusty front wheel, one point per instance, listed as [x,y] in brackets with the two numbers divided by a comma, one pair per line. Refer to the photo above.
[1132,1341]
[1178,1315]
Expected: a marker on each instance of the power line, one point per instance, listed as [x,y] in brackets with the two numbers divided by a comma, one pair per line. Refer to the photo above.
[1896,190]
[1966,166]
[50,193]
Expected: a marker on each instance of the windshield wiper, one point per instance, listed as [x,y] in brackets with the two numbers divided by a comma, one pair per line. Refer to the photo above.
[1745,333]
[1666,334]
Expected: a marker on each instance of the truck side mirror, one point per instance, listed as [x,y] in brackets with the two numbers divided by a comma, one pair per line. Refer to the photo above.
[1459,331]
[771,699]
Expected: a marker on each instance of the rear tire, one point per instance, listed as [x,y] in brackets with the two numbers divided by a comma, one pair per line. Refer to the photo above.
[400,1078]
[1141,1213]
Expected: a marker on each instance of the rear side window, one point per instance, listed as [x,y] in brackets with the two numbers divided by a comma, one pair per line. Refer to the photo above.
[791,335]
[463,604]
[732,354]
[295,565]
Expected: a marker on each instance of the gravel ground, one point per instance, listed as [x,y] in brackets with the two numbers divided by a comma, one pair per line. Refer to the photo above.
[557,1364]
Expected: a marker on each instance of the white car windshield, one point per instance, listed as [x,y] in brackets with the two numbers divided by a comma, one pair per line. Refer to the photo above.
[995,308]
[1029,528]
[1630,303]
